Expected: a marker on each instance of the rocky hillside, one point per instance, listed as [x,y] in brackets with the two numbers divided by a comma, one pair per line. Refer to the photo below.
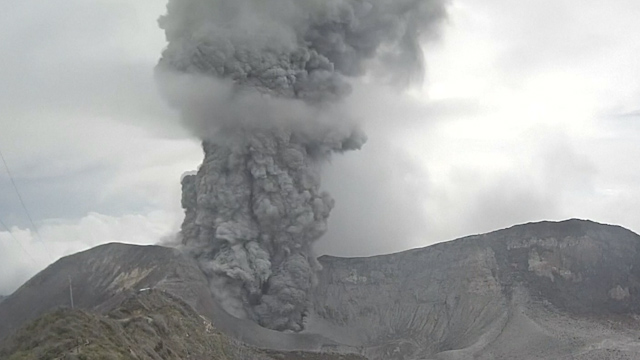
[103,276]
[151,324]
[543,290]
[100,277]
[549,290]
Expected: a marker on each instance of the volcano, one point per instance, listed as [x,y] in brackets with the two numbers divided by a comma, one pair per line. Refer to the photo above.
[547,290]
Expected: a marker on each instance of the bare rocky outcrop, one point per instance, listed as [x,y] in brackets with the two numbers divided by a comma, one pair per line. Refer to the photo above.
[485,296]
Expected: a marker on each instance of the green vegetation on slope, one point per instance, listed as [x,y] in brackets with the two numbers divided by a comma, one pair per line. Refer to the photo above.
[148,325]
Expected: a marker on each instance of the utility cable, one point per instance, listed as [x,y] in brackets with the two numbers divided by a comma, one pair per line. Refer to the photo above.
[18,241]
[15,187]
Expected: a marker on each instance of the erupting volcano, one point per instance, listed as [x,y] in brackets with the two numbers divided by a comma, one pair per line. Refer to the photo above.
[265,85]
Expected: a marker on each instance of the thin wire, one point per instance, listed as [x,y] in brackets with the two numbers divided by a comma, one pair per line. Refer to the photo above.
[18,241]
[35,228]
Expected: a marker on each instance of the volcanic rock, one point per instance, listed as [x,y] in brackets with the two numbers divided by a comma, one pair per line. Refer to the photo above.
[548,290]
[541,290]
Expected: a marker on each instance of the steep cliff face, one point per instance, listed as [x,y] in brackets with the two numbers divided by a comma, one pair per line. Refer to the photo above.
[466,297]
[428,301]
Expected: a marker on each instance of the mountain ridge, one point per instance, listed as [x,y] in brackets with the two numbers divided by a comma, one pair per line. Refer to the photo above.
[148,324]
[452,295]
[473,297]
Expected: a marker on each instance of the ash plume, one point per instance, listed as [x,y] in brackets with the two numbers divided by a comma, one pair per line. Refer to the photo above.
[264,83]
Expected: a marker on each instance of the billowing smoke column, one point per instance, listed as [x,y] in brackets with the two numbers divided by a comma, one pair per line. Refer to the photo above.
[262,83]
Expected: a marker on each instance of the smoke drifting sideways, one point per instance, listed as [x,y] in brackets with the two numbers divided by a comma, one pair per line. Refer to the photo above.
[265,85]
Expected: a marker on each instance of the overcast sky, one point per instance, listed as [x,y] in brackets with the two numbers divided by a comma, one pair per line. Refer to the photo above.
[529,111]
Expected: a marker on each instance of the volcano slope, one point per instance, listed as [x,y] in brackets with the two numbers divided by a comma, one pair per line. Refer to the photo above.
[567,290]
[106,275]
[548,290]
[148,324]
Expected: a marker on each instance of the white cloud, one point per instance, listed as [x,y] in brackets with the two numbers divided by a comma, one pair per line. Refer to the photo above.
[85,134]
[542,142]
[547,72]
[519,120]
[23,254]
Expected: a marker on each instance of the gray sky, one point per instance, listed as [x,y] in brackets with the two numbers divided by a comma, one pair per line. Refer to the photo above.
[528,112]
